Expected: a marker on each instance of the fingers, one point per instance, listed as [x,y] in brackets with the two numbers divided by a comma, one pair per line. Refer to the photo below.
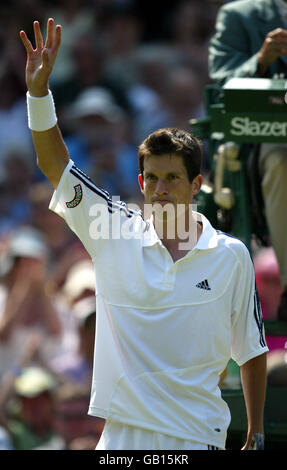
[50,33]
[52,41]
[58,36]
[26,42]
[279,32]
[38,35]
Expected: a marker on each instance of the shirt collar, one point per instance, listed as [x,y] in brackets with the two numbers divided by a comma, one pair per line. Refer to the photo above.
[207,239]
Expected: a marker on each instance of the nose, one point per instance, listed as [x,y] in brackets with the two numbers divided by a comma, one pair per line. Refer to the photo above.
[161,188]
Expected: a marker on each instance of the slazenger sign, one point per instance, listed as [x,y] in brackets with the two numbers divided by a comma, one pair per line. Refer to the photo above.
[244,126]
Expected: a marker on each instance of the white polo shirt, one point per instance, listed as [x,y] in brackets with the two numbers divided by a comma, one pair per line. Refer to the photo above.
[165,330]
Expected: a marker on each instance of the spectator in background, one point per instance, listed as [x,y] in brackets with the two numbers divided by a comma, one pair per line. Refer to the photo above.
[31,419]
[79,291]
[77,367]
[99,141]
[88,61]
[120,33]
[16,176]
[57,237]
[13,116]
[79,431]
[183,97]
[78,18]
[25,306]
[168,95]
[80,282]
[147,97]
[191,24]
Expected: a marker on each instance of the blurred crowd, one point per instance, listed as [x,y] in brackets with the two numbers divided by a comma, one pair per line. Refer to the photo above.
[124,69]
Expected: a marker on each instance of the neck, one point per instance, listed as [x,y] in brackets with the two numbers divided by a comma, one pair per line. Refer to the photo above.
[183,229]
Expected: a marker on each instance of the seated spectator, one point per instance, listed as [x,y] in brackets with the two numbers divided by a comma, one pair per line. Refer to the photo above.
[25,305]
[88,61]
[78,367]
[13,116]
[16,176]
[31,423]
[191,25]
[80,282]
[57,237]
[77,18]
[79,291]
[99,142]
[79,430]
[120,32]
[183,97]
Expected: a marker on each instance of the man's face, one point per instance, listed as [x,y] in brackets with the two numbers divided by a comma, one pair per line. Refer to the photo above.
[166,181]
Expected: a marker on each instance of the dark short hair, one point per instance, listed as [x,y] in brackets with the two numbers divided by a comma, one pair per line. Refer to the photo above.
[173,141]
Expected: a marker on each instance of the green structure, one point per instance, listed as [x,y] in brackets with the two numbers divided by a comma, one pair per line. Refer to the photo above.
[239,117]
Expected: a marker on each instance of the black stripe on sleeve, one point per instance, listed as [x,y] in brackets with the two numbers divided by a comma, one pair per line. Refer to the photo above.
[112,205]
[92,188]
[258,316]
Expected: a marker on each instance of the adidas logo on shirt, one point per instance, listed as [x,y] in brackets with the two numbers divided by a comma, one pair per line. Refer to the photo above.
[203,285]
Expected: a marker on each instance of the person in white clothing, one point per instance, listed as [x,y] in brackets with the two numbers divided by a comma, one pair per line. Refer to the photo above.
[175,298]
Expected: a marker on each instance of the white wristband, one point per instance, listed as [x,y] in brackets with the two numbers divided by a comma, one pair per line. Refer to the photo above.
[41,112]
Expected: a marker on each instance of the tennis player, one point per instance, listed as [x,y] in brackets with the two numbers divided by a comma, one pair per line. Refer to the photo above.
[173,306]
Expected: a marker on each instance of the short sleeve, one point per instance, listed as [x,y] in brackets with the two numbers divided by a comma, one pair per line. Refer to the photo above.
[248,335]
[86,208]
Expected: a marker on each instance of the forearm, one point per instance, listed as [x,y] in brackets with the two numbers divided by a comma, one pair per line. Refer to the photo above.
[253,378]
[52,153]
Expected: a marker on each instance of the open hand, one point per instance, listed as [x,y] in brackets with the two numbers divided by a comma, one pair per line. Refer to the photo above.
[40,61]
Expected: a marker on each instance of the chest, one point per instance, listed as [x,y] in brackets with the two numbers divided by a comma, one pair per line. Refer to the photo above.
[150,277]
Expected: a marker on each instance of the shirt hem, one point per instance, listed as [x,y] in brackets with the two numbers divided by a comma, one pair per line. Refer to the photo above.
[98,412]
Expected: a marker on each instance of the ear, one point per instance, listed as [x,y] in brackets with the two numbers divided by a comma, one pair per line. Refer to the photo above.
[196,185]
[140,180]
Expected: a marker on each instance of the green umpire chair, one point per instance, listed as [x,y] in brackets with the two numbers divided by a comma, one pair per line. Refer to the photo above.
[240,116]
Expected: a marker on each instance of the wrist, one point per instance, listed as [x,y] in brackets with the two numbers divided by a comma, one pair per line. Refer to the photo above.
[262,65]
[41,112]
[38,93]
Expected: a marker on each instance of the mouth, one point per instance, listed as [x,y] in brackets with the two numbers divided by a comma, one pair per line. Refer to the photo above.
[162,201]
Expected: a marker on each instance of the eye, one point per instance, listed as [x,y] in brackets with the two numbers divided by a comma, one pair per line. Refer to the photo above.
[150,177]
[172,177]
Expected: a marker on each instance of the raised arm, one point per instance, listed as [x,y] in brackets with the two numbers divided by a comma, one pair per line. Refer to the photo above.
[51,151]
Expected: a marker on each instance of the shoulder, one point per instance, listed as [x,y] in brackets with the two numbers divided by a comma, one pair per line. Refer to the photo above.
[234,247]
[242,11]
[240,6]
